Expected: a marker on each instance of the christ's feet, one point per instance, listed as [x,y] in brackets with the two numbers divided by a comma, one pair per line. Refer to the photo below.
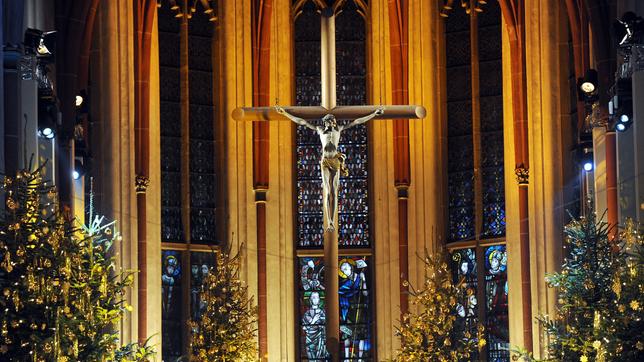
[330,228]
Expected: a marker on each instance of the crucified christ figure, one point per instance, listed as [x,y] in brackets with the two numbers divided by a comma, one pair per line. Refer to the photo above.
[332,162]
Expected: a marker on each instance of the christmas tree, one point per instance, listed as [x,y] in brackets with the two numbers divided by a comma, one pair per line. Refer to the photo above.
[225,329]
[432,334]
[61,296]
[97,296]
[599,315]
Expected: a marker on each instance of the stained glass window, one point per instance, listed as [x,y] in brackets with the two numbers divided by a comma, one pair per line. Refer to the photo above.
[175,310]
[354,304]
[491,115]
[464,267]
[351,89]
[312,314]
[172,306]
[475,167]
[170,118]
[496,302]
[356,318]
[200,264]
[460,169]
[186,255]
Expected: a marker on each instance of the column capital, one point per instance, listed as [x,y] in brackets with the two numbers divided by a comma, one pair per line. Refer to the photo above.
[523,174]
[261,195]
[403,190]
[141,183]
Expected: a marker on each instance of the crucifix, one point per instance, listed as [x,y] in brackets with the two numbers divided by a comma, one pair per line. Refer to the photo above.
[332,161]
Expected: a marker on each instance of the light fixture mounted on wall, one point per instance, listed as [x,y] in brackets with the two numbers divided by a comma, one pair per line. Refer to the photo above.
[588,86]
[585,155]
[40,43]
[628,30]
[79,169]
[47,118]
[620,107]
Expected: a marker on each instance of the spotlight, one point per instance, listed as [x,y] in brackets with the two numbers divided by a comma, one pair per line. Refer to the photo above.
[628,29]
[82,102]
[621,127]
[40,43]
[623,101]
[79,100]
[47,132]
[47,116]
[588,86]
[585,152]
[79,170]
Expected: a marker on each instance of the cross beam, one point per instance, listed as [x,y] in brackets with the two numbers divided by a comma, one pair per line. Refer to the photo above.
[317,112]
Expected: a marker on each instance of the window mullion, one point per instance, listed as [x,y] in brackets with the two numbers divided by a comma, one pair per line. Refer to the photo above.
[476,127]
[478,182]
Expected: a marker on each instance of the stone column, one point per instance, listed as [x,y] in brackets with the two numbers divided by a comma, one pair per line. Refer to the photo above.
[112,65]
[549,129]
[384,197]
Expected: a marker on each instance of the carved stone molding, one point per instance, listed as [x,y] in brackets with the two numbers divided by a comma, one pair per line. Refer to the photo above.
[261,195]
[141,183]
[522,174]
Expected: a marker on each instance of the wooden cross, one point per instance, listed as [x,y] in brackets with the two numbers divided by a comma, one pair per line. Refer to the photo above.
[328,106]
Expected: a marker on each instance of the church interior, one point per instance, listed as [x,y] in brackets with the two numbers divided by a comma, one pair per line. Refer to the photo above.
[484,132]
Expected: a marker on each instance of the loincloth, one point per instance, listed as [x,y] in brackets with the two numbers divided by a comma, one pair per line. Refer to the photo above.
[336,163]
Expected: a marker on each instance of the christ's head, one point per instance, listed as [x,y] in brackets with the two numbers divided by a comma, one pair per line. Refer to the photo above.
[329,121]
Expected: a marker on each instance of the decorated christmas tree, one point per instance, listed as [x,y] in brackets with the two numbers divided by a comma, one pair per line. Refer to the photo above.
[97,295]
[35,241]
[432,334]
[599,313]
[225,328]
[61,296]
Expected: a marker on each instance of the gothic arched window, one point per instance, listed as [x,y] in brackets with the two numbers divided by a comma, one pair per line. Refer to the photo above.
[355,241]
[476,191]
[190,169]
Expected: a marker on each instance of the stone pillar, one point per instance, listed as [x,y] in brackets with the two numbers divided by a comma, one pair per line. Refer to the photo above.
[548,94]
[384,196]
[112,64]
[153,200]
[427,137]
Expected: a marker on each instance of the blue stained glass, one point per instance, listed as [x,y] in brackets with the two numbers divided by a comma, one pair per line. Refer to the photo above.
[200,265]
[171,306]
[493,202]
[464,268]
[354,303]
[313,316]
[496,295]
[461,205]
[353,205]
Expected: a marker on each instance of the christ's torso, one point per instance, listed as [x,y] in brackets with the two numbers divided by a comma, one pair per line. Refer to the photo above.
[330,138]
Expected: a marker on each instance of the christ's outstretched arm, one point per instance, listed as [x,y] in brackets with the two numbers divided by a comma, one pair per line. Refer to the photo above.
[297,120]
[364,119]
